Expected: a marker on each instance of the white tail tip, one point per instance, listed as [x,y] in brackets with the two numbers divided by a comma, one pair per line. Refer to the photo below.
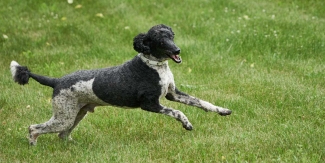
[13,68]
[13,63]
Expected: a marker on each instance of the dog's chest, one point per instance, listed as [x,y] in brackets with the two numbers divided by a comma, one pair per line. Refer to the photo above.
[166,78]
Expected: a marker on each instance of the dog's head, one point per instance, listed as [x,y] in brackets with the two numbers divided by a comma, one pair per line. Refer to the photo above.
[158,42]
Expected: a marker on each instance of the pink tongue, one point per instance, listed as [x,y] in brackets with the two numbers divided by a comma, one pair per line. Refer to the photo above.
[176,57]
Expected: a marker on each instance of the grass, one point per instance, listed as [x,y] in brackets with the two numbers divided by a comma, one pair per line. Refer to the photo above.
[264,60]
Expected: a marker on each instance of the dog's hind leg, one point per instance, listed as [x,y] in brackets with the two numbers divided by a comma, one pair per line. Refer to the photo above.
[65,111]
[154,106]
[84,108]
[178,96]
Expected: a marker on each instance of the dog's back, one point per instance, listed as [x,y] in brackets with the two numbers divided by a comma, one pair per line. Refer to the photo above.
[125,84]
[119,86]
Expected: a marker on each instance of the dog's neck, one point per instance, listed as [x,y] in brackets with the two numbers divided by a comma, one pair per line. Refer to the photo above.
[151,60]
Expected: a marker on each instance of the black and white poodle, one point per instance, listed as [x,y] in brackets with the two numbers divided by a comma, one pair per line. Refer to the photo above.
[140,82]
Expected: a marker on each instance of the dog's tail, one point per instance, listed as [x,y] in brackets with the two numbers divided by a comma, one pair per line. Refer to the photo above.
[21,75]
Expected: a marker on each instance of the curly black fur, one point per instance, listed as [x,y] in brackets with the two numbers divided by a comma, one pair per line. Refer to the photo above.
[22,75]
[147,42]
[159,38]
[140,43]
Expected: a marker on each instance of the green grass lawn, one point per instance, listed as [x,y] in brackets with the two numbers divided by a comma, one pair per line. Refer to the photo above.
[263,59]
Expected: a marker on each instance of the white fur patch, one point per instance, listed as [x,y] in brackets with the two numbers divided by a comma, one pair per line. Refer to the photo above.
[13,68]
[83,91]
[166,78]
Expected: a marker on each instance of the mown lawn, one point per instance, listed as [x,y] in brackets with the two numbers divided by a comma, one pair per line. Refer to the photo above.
[264,60]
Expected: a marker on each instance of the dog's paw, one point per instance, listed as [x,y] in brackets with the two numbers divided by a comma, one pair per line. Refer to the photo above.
[32,136]
[224,112]
[32,143]
[65,136]
[188,126]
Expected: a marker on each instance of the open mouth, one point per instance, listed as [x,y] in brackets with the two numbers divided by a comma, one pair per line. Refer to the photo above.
[176,58]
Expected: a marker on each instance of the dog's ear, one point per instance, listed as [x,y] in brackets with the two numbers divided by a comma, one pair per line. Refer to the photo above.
[141,43]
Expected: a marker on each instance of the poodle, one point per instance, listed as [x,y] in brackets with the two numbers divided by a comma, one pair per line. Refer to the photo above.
[140,82]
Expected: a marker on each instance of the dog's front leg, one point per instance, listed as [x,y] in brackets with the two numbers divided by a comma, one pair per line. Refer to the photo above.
[178,96]
[152,105]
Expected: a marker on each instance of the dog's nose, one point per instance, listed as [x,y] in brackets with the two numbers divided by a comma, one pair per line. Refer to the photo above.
[177,51]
